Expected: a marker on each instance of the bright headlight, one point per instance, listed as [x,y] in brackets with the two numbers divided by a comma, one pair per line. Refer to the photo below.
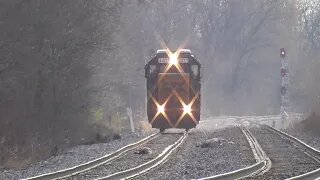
[187,109]
[161,109]
[173,59]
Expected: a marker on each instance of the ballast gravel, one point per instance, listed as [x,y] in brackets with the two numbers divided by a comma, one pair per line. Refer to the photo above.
[287,160]
[229,151]
[208,150]
[132,158]
[75,156]
[310,138]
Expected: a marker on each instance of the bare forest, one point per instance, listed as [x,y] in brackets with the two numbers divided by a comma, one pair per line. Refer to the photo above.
[70,69]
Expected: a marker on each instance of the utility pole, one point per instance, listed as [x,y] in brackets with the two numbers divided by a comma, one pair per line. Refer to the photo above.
[129,108]
[285,103]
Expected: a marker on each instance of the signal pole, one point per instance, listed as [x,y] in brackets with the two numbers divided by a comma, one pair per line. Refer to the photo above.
[285,105]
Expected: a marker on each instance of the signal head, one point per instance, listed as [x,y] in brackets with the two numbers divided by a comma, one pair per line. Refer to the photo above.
[282,52]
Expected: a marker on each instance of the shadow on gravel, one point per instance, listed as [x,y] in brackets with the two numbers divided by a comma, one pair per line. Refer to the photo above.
[214,142]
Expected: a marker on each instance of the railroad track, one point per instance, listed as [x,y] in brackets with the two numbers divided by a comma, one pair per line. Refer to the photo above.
[265,169]
[143,168]
[167,142]
[91,164]
[279,156]
[307,149]
[261,166]
[291,158]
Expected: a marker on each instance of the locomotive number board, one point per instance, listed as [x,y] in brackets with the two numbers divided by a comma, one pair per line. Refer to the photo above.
[167,60]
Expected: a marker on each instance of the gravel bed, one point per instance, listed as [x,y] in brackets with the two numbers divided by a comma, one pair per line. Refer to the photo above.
[287,160]
[307,137]
[131,159]
[74,156]
[192,161]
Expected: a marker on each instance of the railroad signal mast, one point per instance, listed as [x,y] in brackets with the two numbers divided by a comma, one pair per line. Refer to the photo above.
[285,105]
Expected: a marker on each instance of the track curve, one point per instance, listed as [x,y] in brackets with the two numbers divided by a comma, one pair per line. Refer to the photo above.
[261,166]
[287,158]
[91,164]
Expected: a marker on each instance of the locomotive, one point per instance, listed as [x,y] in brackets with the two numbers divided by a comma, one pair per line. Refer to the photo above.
[173,90]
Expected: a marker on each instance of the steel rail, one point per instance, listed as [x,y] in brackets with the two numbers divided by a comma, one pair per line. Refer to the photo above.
[143,168]
[262,165]
[94,163]
[307,149]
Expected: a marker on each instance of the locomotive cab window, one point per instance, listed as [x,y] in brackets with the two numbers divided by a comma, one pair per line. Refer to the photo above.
[162,68]
[195,70]
[153,69]
[150,70]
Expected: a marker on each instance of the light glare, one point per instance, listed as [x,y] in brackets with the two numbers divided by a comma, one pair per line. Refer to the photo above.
[187,108]
[161,109]
[173,58]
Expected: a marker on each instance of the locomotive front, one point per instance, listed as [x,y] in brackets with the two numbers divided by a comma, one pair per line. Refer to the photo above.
[173,84]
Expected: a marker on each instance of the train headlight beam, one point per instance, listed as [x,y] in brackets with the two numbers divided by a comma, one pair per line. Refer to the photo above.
[161,108]
[173,58]
[187,108]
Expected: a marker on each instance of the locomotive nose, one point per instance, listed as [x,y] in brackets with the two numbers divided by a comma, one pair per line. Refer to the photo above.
[173,84]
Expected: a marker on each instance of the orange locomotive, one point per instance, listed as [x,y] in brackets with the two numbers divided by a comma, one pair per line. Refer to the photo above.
[173,84]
